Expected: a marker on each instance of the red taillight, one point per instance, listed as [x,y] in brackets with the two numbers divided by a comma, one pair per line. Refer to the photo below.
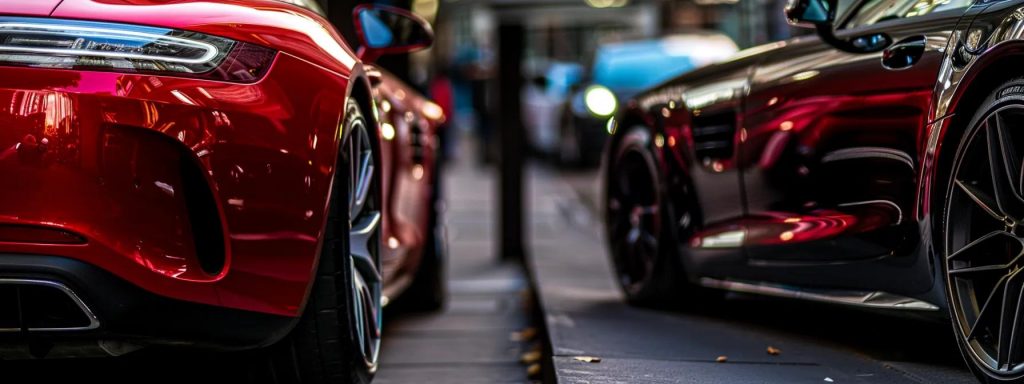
[72,44]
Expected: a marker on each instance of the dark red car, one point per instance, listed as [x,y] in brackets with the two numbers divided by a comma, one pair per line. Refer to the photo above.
[209,173]
[878,164]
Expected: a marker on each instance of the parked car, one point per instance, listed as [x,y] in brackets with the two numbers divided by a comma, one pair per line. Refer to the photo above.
[619,71]
[413,261]
[877,165]
[203,173]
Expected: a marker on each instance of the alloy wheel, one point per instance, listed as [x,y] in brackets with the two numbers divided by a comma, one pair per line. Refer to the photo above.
[634,219]
[364,227]
[984,243]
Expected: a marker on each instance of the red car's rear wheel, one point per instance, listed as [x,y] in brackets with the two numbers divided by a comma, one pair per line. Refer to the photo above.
[338,337]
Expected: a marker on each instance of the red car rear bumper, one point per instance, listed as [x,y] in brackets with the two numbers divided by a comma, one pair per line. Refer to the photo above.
[198,191]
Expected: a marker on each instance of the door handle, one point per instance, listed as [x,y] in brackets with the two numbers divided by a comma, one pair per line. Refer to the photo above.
[905,53]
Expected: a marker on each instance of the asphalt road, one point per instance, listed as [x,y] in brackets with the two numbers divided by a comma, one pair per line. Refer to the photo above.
[816,343]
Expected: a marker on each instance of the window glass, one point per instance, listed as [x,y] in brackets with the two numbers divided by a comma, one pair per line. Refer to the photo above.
[875,11]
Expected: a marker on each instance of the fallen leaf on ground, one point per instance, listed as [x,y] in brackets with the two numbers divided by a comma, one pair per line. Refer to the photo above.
[533,370]
[773,351]
[588,359]
[722,359]
[528,334]
[530,357]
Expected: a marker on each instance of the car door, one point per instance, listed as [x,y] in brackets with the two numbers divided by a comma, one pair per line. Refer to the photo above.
[831,138]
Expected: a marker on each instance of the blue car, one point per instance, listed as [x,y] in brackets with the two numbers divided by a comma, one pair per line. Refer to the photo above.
[621,70]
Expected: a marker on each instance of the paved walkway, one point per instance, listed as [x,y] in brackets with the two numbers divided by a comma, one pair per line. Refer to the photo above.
[476,339]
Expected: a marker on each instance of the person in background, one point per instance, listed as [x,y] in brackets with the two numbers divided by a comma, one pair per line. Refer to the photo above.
[442,92]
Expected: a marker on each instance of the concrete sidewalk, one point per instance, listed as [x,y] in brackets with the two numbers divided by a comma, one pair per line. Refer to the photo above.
[586,317]
[473,339]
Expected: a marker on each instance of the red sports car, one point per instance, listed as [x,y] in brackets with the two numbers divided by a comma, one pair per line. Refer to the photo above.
[210,173]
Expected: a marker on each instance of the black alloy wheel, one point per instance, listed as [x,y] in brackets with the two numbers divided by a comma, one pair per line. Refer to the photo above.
[338,338]
[984,238]
[642,240]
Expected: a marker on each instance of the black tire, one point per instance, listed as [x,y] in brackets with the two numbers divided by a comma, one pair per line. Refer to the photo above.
[428,291]
[326,345]
[650,274]
[980,238]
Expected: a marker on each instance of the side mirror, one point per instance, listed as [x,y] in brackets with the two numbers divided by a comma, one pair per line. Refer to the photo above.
[821,15]
[811,13]
[385,30]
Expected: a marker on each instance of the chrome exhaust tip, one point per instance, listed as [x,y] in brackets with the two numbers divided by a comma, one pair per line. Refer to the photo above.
[30,305]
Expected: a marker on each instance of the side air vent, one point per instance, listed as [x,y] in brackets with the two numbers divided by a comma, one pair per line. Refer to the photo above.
[203,217]
[713,136]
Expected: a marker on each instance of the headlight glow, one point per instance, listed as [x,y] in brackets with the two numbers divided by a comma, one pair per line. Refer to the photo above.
[600,100]
[72,44]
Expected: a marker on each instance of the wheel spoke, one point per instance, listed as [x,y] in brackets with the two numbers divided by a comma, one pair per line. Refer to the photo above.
[361,236]
[362,186]
[1009,348]
[979,246]
[983,200]
[977,270]
[988,309]
[633,236]
[1005,168]
[648,210]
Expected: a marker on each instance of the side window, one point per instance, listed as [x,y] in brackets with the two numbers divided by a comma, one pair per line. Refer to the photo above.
[871,12]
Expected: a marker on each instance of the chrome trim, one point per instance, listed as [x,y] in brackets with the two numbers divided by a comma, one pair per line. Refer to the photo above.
[94,321]
[899,211]
[880,300]
[868,153]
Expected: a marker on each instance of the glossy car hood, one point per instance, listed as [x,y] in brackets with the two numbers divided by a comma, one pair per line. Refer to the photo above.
[28,7]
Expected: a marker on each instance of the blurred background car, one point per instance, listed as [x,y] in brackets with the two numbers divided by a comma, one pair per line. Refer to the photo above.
[619,71]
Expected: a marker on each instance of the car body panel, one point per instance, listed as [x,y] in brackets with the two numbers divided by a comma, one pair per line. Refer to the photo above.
[28,7]
[267,147]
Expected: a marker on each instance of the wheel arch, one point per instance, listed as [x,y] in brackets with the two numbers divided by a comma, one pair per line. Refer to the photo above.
[989,71]
[675,178]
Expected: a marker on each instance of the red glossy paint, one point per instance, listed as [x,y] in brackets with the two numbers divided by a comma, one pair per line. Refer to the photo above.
[101,155]
[28,7]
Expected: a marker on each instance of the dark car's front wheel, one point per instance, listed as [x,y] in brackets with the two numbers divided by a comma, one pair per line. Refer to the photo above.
[337,340]
[642,227]
[983,233]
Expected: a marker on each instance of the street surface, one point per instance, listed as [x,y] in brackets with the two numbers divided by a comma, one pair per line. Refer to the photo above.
[816,343]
